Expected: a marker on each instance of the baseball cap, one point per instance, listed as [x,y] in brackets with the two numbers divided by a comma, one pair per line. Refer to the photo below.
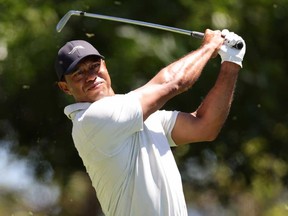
[71,54]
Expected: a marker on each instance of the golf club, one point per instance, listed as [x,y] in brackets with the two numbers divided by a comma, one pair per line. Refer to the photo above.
[194,34]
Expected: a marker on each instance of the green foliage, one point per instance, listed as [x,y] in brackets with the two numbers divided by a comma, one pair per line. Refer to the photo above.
[245,168]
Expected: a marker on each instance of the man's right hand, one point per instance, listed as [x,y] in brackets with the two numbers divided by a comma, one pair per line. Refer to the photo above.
[214,40]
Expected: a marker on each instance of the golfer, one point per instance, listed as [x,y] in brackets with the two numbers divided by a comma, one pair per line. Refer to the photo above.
[125,140]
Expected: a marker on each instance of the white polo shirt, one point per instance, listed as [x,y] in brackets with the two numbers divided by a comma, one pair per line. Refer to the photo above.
[129,161]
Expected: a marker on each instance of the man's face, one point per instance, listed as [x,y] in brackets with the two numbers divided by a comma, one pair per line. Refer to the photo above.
[89,82]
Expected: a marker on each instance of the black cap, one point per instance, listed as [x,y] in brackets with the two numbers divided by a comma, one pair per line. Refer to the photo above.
[71,54]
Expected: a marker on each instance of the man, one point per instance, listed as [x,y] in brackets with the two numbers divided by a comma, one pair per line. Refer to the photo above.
[124,140]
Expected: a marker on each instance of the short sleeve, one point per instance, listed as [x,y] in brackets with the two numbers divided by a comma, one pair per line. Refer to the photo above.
[168,119]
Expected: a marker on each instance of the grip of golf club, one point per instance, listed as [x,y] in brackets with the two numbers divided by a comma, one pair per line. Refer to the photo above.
[200,35]
[239,45]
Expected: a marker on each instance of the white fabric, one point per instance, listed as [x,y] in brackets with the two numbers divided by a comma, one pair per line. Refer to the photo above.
[227,52]
[129,162]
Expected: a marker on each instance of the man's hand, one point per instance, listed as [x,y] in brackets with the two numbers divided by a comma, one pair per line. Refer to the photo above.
[227,52]
[214,40]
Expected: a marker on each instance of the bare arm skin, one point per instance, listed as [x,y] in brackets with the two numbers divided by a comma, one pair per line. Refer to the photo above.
[205,123]
[178,76]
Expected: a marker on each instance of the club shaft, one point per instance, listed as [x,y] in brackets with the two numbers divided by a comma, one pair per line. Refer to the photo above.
[146,24]
[65,19]
[195,34]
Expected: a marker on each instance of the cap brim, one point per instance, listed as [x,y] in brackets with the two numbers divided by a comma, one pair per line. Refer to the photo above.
[72,66]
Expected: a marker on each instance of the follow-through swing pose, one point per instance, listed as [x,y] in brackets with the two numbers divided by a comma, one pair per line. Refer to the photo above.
[124,140]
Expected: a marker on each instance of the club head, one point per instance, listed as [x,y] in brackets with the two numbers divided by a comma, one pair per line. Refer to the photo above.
[65,19]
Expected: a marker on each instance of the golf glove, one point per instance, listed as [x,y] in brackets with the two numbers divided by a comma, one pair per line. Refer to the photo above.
[228,52]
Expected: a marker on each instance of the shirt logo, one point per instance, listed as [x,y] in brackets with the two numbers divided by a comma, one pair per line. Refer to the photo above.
[75,49]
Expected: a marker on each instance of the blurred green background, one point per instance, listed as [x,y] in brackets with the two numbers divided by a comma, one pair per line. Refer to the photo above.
[243,172]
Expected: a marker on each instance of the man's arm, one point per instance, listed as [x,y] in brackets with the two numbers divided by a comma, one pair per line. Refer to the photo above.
[206,122]
[178,76]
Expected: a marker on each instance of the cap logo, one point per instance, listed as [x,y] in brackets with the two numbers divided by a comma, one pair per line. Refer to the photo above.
[75,49]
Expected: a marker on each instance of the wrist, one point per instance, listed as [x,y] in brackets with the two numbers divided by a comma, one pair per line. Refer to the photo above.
[232,60]
[209,49]
[231,66]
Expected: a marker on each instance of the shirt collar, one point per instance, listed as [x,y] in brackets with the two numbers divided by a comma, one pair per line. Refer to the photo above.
[71,110]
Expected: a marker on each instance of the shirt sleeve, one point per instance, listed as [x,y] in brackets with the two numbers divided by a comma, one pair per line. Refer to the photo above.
[168,119]
[111,120]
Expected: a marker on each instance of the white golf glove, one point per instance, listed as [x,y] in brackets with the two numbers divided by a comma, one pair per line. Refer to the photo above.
[228,52]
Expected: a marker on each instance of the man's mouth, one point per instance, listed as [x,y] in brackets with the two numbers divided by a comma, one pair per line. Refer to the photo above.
[95,85]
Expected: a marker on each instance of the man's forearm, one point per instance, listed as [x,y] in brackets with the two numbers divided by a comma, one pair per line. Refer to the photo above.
[216,105]
[187,70]
[178,76]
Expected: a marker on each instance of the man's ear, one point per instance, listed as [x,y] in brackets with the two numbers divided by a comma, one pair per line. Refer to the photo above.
[64,87]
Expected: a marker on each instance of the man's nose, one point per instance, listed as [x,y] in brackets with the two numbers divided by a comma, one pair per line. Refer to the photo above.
[91,75]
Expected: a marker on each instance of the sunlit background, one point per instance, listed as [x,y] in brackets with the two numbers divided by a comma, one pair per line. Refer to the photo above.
[243,172]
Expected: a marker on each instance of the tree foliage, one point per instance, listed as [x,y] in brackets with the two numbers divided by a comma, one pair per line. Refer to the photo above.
[243,172]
